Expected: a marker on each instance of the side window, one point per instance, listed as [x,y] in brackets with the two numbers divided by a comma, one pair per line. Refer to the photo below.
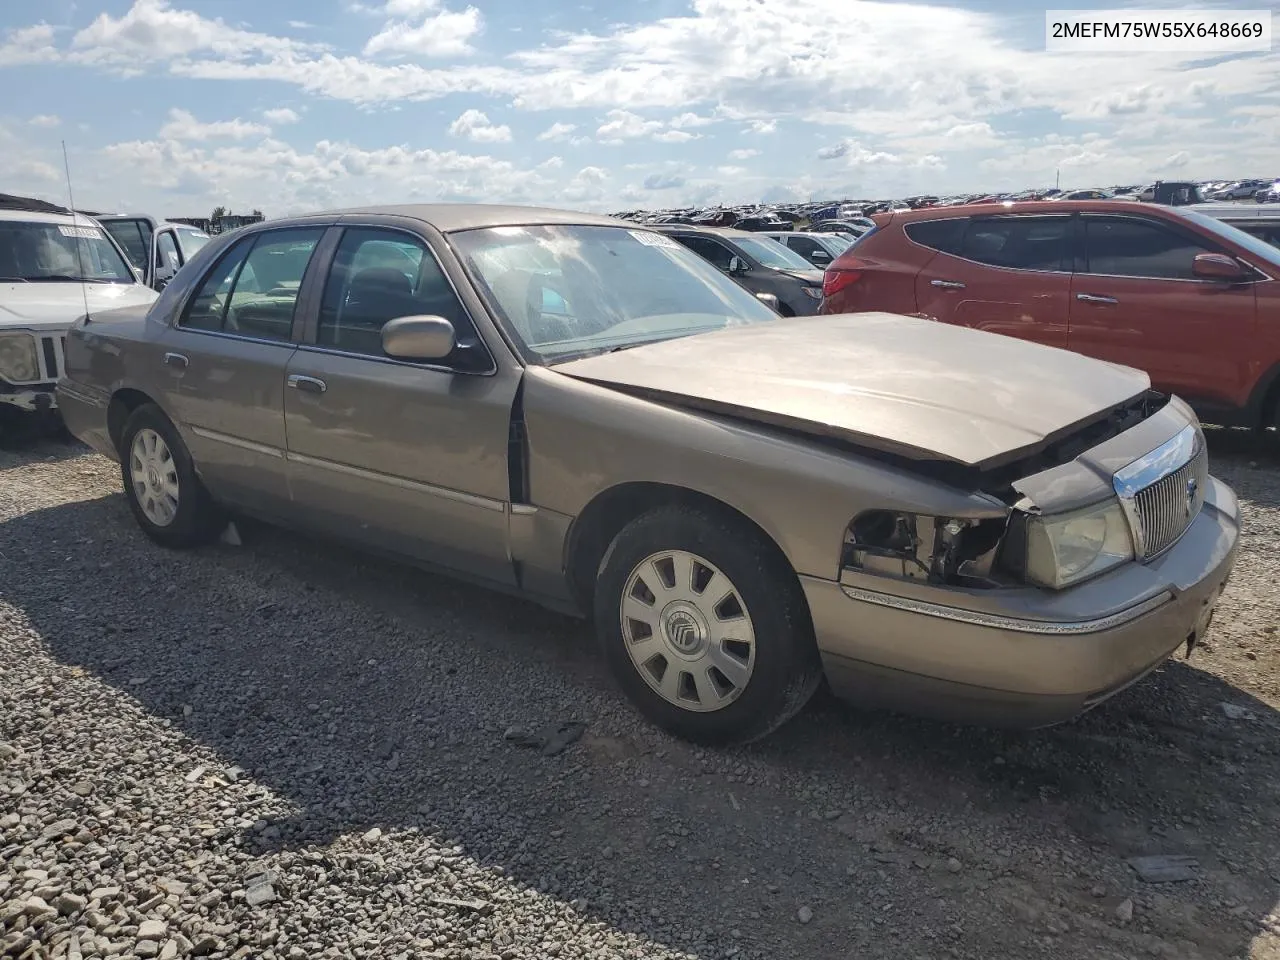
[378,276]
[253,289]
[944,235]
[129,236]
[167,250]
[709,249]
[1018,243]
[1129,247]
[205,311]
[805,246]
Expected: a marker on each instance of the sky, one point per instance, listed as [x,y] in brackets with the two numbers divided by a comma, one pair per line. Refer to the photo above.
[172,107]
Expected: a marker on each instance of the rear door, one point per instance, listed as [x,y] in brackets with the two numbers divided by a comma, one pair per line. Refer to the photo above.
[225,359]
[1136,301]
[407,457]
[1003,274]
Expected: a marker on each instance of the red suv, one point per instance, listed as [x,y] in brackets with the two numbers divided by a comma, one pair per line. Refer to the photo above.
[1189,299]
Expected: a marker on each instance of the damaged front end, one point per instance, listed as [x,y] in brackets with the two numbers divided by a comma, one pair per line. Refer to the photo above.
[1119,490]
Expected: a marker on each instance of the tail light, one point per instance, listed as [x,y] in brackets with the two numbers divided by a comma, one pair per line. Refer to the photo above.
[837,278]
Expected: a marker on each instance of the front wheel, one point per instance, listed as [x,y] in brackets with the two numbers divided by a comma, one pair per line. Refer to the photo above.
[705,627]
[166,496]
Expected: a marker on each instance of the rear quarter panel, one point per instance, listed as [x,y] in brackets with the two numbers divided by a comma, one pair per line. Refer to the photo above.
[115,350]
[889,263]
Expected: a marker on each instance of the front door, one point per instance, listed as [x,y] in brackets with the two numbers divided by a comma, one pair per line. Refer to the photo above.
[225,363]
[1136,301]
[1008,275]
[406,457]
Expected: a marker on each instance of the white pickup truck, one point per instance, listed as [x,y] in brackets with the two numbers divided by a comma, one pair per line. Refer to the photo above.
[53,268]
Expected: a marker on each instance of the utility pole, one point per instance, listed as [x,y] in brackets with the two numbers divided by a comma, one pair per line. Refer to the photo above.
[1057,180]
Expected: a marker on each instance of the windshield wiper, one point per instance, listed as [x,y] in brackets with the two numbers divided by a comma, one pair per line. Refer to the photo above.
[65,278]
[14,280]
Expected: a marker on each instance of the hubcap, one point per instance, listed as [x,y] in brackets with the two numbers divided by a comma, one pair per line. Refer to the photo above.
[154,476]
[687,631]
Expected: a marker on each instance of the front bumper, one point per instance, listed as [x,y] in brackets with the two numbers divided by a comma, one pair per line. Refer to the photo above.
[29,398]
[1028,667]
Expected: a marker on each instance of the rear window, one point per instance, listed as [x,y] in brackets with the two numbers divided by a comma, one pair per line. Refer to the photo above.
[944,235]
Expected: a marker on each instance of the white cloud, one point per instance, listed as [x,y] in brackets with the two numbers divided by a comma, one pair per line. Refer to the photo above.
[744,154]
[183,125]
[663,181]
[683,120]
[280,116]
[475,125]
[45,120]
[558,131]
[762,126]
[153,30]
[440,33]
[676,136]
[28,45]
[623,125]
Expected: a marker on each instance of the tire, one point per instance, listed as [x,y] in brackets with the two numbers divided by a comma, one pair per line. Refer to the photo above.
[765,681]
[193,519]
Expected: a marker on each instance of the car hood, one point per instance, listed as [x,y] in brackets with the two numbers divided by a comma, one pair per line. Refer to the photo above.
[901,385]
[53,306]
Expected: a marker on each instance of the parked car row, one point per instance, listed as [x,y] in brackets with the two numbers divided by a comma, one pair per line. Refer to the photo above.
[1190,299]
[588,413]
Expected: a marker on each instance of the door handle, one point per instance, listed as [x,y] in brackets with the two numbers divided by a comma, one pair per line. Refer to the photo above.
[309,384]
[947,284]
[176,360]
[1095,298]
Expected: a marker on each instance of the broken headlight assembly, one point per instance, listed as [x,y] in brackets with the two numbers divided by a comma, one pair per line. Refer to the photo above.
[938,550]
[1063,549]
[1054,551]
[18,360]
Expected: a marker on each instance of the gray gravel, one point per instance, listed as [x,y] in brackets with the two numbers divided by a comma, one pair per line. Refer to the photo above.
[282,750]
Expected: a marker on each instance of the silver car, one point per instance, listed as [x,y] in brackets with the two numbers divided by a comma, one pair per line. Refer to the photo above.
[583,411]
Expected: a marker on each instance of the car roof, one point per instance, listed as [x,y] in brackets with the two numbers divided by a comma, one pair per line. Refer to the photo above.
[451,217]
[32,216]
[1236,211]
[1058,207]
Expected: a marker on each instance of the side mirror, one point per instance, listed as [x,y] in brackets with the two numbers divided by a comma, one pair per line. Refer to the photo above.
[737,265]
[1217,266]
[820,256]
[770,299]
[418,338]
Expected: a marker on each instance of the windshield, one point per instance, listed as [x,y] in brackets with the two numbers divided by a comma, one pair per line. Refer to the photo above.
[837,243]
[191,241]
[771,253]
[1255,245]
[36,252]
[572,291]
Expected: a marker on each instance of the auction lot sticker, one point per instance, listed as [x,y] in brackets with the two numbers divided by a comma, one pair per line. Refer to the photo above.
[1160,31]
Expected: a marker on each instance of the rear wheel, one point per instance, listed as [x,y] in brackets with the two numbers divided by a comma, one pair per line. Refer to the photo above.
[705,627]
[167,498]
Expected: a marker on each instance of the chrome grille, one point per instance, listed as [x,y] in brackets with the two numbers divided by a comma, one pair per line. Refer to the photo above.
[1162,492]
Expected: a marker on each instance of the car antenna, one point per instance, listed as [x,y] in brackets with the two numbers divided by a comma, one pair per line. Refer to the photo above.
[84,293]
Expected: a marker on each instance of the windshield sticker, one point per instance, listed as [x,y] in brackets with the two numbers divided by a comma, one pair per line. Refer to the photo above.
[84,233]
[653,239]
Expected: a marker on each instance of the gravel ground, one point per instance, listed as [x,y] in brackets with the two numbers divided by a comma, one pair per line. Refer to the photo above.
[282,750]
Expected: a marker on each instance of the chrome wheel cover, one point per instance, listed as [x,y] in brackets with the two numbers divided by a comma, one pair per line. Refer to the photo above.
[687,631]
[154,476]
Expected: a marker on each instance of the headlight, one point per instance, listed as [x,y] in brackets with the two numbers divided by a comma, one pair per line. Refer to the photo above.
[18,360]
[813,293]
[1067,548]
